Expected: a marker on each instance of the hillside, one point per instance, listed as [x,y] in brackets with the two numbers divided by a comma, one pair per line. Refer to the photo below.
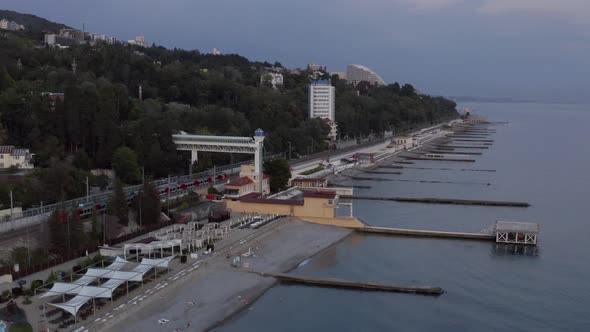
[31,22]
[181,90]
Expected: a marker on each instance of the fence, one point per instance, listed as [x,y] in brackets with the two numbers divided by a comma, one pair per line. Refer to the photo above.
[76,254]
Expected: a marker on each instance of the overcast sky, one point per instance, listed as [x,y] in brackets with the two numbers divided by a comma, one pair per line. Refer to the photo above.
[525,49]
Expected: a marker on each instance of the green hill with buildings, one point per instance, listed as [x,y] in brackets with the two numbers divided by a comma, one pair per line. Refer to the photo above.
[77,105]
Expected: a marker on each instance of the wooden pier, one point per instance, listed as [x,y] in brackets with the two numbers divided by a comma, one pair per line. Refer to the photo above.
[357,285]
[425,233]
[429,200]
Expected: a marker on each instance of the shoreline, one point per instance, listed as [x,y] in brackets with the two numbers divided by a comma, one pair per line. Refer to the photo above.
[221,292]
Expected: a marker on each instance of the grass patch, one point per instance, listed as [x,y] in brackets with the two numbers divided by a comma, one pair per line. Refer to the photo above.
[313,170]
[21,327]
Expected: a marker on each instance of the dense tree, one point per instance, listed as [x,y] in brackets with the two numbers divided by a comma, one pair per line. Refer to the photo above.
[149,203]
[101,117]
[66,232]
[125,165]
[117,206]
[279,172]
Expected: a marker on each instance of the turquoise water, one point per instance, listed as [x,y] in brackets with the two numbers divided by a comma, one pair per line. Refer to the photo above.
[542,157]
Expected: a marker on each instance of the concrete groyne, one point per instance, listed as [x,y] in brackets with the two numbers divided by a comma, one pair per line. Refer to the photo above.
[431,200]
[357,285]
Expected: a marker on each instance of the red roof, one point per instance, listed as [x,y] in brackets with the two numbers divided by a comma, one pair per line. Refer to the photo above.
[240,182]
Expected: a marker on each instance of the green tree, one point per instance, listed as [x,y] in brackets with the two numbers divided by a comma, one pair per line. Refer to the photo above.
[118,204]
[279,172]
[149,202]
[95,228]
[125,165]
[5,80]
[66,231]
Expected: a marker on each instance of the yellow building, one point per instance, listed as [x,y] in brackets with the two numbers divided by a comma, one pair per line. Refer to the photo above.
[314,205]
[247,183]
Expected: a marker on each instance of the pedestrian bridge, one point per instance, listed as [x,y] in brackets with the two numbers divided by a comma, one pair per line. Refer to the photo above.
[229,144]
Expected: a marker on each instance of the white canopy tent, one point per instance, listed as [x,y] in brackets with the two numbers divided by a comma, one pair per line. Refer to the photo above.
[85,293]
[61,288]
[154,246]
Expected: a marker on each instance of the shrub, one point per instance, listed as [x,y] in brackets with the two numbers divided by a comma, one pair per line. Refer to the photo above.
[21,327]
[17,291]
[36,284]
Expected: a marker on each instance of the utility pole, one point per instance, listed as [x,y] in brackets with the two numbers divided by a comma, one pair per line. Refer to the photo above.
[69,241]
[11,206]
[87,191]
[168,196]
[289,150]
[104,228]
[139,196]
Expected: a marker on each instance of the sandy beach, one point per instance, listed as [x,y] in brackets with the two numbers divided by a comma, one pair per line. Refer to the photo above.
[213,291]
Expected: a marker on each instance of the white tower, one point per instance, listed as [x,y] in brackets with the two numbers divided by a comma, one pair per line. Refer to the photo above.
[259,158]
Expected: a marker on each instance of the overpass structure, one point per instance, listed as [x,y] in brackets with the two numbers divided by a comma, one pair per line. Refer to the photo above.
[228,144]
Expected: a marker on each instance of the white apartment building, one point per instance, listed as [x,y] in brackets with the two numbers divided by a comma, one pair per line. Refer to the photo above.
[10,25]
[322,100]
[360,73]
[20,158]
[275,79]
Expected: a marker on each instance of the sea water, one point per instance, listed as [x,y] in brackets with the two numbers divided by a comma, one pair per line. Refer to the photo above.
[541,156]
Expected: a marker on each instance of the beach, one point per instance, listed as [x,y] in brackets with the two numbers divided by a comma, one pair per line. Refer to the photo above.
[214,291]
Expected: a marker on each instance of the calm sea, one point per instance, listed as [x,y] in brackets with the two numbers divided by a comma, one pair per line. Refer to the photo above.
[542,157]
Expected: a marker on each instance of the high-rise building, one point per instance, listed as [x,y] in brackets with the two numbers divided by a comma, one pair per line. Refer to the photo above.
[359,73]
[321,100]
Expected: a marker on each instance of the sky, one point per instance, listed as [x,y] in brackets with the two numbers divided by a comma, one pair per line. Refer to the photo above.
[521,49]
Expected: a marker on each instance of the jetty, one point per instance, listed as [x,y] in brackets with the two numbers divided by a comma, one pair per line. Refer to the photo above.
[506,232]
[453,152]
[442,159]
[348,284]
[466,146]
[425,233]
[382,172]
[430,200]
[473,140]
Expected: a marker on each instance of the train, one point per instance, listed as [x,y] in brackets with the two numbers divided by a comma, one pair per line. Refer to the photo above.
[85,210]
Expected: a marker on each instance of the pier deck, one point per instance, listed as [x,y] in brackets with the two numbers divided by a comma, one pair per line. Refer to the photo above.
[426,233]
[439,201]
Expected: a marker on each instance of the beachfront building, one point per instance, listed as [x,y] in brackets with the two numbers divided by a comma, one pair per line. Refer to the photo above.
[404,142]
[317,205]
[13,157]
[247,183]
[360,73]
[364,158]
[322,100]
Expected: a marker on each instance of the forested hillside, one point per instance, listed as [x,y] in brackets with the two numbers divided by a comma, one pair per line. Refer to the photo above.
[182,90]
